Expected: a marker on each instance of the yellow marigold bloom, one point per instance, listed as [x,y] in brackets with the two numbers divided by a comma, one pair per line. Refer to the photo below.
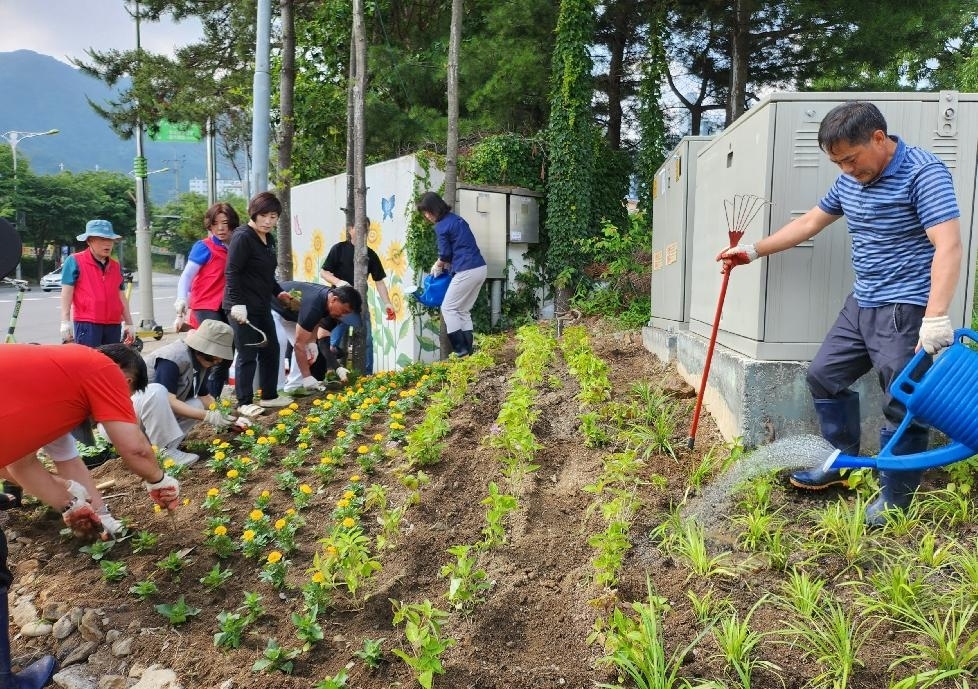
[216,441]
[402,394]
[392,404]
[186,501]
[280,426]
[360,390]
[213,492]
[325,460]
[225,445]
[263,440]
[280,524]
[349,522]
[362,450]
[286,412]
[248,535]
[355,416]
[220,530]
[212,406]
[331,550]
[219,455]
[168,463]
[157,508]
[318,578]
[312,419]
[293,406]
[331,396]
[272,440]
[246,460]
[327,406]
[342,503]
[317,402]
[397,415]
[306,489]
[341,434]
[424,377]
[155,449]
[265,494]
[349,495]
[289,512]
[232,473]
[378,437]
[355,478]
[255,515]
[250,432]
[303,446]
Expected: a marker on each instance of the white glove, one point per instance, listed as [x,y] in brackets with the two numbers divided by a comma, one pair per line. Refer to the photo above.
[436,268]
[67,332]
[164,492]
[111,527]
[341,283]
[79,515]
[217,419]
[310,383]
[239,312]
[180,306]
[128,334]
[78,491]
[936,333]
[312,352]
[342,373]
[739,255]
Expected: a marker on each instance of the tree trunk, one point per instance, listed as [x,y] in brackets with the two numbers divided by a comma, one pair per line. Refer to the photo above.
[360,178]
[350,148]
[451,147]
[286,137]
[739,67]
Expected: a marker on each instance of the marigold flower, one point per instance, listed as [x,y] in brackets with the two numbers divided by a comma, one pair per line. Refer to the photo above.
[293,406]
[263,440]
[216,441]
[355,416]
[186,501]
[325,460]
[255,515]
[341,434]
[349,495]
[355,478]
[342,503]
[306,489]
[331,396]
[318,577]
[248,535]
[224,445]
[331,550]
[272,440]
[245,460]
[220,530]
[213,492]
[303,446]
[274,557]
[232,473]
[349,522]
[250,432]
[378,437]
[168,463]
[317,402]
[212,406]
[362,450]
[265,494]
[280,426]
[289,512]
[280,524]
[157,508]
[219,455]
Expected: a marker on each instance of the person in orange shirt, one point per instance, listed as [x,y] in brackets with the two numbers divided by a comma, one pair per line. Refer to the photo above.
[76,383]
[92,292]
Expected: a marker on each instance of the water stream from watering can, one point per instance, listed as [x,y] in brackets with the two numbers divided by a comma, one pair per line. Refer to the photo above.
[715,502]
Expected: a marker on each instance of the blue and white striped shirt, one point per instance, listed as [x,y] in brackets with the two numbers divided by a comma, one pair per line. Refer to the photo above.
[887,219]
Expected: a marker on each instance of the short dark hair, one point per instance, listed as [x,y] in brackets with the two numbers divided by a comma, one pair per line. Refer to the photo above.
[852,123]
[434,204]
[263,203]
[211,215]
[130,361]
[349,296]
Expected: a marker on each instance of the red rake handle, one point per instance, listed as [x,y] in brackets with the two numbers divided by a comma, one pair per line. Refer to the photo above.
[709,360]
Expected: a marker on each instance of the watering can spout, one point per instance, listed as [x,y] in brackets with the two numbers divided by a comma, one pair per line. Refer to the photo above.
[884,461]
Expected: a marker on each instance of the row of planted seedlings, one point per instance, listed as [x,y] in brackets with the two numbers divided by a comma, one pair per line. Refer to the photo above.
[468,582]
[424,639]
[268,536]
[902,599]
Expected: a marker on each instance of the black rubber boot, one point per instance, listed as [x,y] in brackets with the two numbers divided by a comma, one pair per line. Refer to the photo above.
[469,340]
[457,339]
[34,676]
[897,487]
[839,422]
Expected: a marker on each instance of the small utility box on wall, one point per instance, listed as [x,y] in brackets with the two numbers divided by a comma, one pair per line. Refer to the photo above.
[673,206]
[781,307]
[499,216]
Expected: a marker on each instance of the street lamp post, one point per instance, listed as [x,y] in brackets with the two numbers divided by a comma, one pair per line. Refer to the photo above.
[13,138]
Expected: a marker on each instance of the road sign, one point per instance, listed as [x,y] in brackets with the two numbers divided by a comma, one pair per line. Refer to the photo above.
[185,132]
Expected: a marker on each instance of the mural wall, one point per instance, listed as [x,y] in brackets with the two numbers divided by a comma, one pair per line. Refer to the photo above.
[318,222]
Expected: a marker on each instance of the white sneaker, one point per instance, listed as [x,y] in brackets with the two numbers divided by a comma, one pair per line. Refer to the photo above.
[179,457]
[275,403]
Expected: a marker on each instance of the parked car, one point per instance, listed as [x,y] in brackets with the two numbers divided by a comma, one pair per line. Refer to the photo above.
[51,281]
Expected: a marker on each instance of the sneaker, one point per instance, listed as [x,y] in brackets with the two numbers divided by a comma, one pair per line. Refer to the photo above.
[275,403]
[295,392]
[179,457]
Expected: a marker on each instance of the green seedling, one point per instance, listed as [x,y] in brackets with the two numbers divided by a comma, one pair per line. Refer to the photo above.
[177,613]
[307,628]
[372,653]
[231,626]
[276,659]
[466,582]
[143,541]
[422,630]
[337,681]
[216,577]
[144,589]
[113,570]
[98,549]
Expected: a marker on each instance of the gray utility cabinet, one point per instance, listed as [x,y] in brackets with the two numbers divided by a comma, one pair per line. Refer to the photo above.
[672,237]
[781,307]
[499,216]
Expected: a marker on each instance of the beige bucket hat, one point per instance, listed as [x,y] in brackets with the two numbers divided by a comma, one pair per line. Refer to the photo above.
[214,338]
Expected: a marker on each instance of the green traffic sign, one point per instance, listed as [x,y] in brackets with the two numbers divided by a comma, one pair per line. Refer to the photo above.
[176,132]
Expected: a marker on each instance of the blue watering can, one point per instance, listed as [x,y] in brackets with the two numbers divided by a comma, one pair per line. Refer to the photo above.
[945,397]
[432,291]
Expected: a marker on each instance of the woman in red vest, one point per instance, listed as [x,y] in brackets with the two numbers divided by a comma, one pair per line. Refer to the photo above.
[92,293]
[201,286]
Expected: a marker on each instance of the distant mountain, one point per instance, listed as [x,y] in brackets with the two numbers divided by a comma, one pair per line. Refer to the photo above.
[42,93]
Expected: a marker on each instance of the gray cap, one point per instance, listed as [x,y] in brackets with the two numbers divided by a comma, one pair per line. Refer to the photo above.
[214,338]
[98,228]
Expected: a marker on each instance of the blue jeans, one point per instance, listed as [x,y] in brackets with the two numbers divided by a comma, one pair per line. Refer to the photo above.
[338,336]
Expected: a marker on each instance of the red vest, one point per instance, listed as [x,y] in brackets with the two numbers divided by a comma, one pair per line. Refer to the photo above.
[207,288]
[97,297]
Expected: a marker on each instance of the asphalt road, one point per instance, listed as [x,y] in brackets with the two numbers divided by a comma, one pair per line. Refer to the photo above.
[40,313]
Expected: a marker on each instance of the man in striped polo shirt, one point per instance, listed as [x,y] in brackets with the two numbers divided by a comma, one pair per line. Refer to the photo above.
[904,226]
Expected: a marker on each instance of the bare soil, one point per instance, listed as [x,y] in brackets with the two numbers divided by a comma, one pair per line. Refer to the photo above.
[533,629]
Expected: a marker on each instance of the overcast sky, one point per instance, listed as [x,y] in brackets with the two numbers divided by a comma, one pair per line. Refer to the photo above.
[66,28]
